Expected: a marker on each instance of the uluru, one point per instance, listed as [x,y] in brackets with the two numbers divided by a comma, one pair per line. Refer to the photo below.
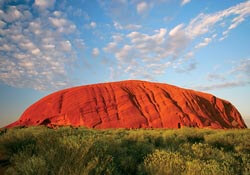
[131,104]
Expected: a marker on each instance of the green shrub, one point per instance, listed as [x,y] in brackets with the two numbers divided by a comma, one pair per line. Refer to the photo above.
[67,150]
[26,165]
[162,162]
[198,167]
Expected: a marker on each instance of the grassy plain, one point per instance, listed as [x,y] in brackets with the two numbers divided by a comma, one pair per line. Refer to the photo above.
[80,151]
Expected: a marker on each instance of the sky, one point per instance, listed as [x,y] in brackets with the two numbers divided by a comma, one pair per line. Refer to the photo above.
[48,45]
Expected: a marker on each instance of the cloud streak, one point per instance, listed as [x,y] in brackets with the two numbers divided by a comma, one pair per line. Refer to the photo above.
[184,2]
[142,7]
[222,85]
[239,76]
[162,46]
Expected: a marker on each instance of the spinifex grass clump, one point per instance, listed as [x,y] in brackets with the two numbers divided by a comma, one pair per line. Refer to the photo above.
[40,150]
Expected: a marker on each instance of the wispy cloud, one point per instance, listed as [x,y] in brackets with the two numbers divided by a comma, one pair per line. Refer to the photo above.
[204,43]
[222,85]
[215,77]
[95,52]
[186,68]
[243,67]
[183,2]
[118,26]
[204,22]
[142,7]
[239,75]
[162,46]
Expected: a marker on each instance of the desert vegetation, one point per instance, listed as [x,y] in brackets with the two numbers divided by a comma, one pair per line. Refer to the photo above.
[73,151]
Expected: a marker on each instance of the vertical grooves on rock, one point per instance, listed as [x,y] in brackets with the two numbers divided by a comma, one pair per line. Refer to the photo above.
[213,101]
[107,101]
[104,101]
[60,103]
[116,104]
[175,103]
[95,91]
[190,103]
[144,89]
[190,106]
[81,115]
[226,114]
[133,99]
[152,98]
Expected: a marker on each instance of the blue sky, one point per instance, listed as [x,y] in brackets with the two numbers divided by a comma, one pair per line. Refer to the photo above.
[50,45]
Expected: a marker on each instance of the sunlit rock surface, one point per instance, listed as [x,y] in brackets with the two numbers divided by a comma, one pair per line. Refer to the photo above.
[131,104]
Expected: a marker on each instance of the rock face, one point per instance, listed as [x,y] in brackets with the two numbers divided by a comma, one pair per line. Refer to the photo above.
[131,104]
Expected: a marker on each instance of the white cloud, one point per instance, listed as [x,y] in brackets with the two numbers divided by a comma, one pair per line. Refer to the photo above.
[62,25]
[57,13]
[34,52]
[58,22]
[204,22]
[159,68]
[43,4]
[112,47]
[189,55]
[132,27]
[176,30]
[118,26]
[142,49]
[183,2]
[27,45]
[205,42]
[142,7]
[95,52]
[124,53]
[66,45]
[12,14]
[117,38]
[6,47]
[2,24]
[148,45]
[141,58]
[79,43]
[92,24]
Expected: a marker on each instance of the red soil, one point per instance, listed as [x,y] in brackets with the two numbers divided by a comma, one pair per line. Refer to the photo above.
[131,104]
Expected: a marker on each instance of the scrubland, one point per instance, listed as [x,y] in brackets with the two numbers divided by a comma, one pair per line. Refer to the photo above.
[80,151]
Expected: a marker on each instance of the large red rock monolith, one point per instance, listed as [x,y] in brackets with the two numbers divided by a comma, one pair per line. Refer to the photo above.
[131,104]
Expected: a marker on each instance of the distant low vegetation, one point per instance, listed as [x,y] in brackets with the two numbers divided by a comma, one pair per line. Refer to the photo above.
[80,151]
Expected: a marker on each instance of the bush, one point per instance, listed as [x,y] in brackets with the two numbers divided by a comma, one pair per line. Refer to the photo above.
[67,150]
[162,162]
